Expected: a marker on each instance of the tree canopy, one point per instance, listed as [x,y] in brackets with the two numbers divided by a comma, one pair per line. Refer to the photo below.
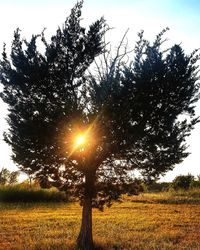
[86,133]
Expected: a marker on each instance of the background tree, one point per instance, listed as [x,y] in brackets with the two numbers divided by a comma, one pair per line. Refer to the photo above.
[13,177]
[183,182]
[8,177]
[87,133]
[4,176]
[31,175]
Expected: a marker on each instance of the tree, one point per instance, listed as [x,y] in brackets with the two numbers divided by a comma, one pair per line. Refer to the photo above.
[8,177]
[4,176]
[86,133]
[13,177]
[183,182]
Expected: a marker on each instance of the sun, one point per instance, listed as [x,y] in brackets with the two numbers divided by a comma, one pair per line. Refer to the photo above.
[80,140]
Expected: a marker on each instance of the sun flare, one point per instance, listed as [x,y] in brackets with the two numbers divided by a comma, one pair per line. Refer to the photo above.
[80,140]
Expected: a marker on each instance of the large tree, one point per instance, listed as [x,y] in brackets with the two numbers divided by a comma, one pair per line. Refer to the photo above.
[86,133]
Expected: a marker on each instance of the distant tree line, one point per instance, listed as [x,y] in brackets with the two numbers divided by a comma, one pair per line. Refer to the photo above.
[180,182]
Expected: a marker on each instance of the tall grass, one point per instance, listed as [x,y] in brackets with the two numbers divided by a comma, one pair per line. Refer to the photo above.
[191,196]
[190,193]
[20,194]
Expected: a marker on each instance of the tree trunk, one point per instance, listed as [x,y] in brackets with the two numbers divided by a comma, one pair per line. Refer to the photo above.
[30,182]
[85,239]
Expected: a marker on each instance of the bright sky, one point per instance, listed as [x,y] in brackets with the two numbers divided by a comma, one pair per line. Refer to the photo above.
[181,16]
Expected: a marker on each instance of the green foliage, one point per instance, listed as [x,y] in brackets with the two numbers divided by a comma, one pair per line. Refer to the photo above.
[183,182]
[20,194]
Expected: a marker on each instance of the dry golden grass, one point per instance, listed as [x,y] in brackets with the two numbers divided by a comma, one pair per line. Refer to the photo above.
[143,222]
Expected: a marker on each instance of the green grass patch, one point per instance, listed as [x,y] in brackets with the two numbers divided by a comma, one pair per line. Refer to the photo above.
[20,194]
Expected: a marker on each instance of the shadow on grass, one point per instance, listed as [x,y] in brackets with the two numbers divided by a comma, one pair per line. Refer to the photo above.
[98,247]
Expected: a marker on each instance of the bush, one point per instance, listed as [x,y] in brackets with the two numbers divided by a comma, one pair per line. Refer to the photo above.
[182,182]
[156,186]
[18,194]
[195,184]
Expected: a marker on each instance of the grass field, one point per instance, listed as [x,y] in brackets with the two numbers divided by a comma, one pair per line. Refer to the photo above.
[148,221]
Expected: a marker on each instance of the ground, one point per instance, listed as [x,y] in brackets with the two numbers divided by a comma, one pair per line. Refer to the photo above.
[149,221]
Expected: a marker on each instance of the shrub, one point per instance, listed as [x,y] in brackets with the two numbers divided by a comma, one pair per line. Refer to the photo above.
[195,184]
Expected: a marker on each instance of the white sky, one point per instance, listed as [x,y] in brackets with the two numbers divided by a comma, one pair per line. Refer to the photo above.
[181,16]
